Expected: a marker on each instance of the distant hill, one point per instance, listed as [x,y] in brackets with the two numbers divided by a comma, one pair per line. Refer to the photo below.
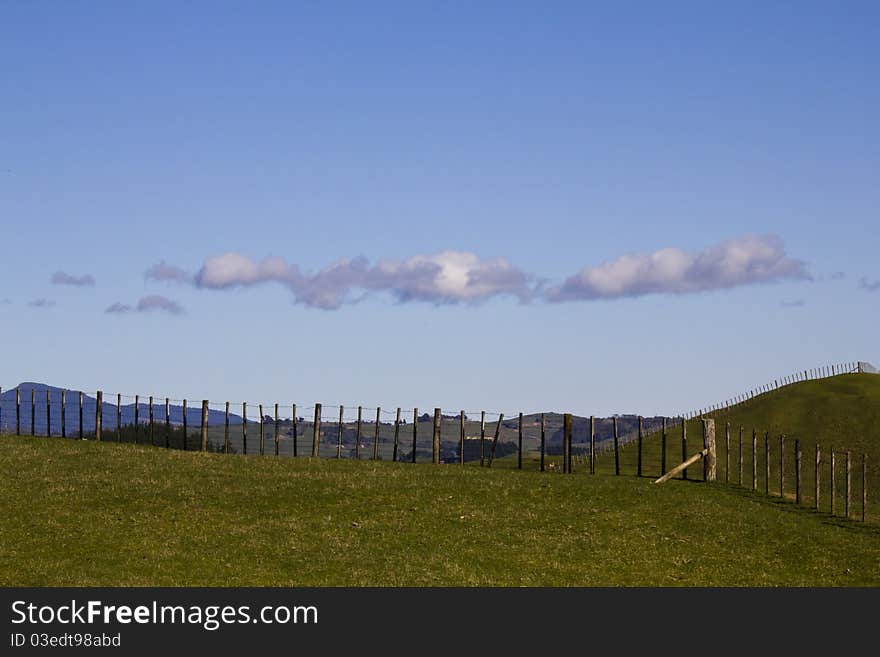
[108,411]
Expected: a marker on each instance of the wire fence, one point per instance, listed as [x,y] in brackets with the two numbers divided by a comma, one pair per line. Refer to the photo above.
[539,441]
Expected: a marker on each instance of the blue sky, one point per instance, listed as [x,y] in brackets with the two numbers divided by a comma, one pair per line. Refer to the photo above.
[546,141]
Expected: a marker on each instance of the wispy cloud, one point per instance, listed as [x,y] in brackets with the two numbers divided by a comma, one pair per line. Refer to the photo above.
[744,261]
[162,271]
[869,286]
[794,303]
[444,278]
[41,303]
[838,276]
[63,278]
[153,302]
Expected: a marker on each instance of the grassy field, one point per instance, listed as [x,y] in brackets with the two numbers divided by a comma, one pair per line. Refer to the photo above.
[83,513]
[842,412]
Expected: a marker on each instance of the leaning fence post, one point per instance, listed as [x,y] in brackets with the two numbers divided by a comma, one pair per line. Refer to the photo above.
[396,435]
[204,425]
[63,413]
[316,432]
[415,435]
[519,444]
[816,475]
[495,439]
[98,412]
[376,434]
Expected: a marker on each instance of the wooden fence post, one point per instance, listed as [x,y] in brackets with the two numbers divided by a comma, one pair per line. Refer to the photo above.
[136,419]
[185,429]
[566,439]
[864,487]
[542,442]
[295,437]
[99,408]
[357,435]
[754,460]
[684,440]
[739,457]
[848,485]
[797,471]
[167,423]
[482,436]
[710,462]
[727,453]
[152,431]
[33,412]
[118,418]
[817,475]
[641,438]
[18,412]
[495,439]
[415,432]
[396,435]
[64,413]
[436,441]
[782,466]
[277,448]
[48,413]
[766,463]
[262,432]
[376,434]
[831,491]
[226,431]
[204,425]
[244,427]
[616,447]
[461,438]
[519,444]
[593,444]
[339,432]
[81,414]
[316,432]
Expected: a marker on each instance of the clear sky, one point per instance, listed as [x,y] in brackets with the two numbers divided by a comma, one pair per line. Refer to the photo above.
[620,207]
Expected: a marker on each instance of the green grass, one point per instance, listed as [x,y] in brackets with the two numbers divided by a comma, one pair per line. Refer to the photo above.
[841,412]
[80,513]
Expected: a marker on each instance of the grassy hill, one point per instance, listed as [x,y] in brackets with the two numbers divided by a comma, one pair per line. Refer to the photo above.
[841,412]
[84,513]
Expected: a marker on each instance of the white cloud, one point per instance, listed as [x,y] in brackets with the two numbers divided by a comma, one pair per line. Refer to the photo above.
[63,278]
[733,263]
[447,277]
